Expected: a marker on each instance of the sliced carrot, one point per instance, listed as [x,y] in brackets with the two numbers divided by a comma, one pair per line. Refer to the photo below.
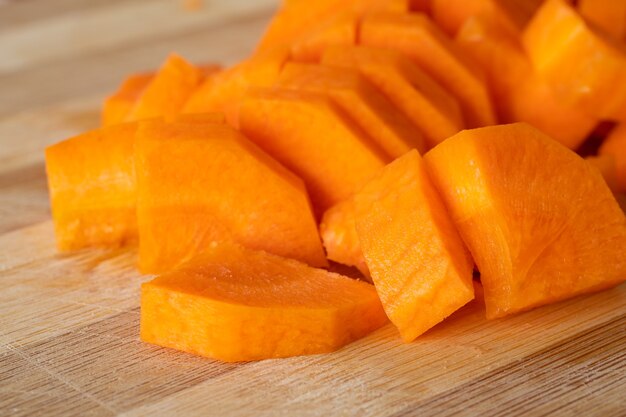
[204,182]
[168,91]
[584,67]
[428,105]
[540,221]
[338,30]
[610,15]
[91,180]
[615,145]
[309,134]
[307,25]
[339,236]
[390,129]
[116,107]
[236,304]
[223,92]
[419,265]
[607,167]
[513,15]
[422,41]
[519,93]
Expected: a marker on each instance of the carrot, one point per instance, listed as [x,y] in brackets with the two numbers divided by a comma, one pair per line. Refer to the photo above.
[418,263]
[236,304]
[224,91]
[168,91]
[340,239]
[610,15]
[390,129]
[91,180]
[417,37]
[559,43]
[519,93]
[204,182]
[615,145]
[434,111]
[540,221]
[116,107]
[309,134]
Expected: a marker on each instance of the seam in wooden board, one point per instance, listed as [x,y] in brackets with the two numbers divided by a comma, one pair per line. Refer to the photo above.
[26,173]
[76,353]
[491,384]
[442,400]
[34,363]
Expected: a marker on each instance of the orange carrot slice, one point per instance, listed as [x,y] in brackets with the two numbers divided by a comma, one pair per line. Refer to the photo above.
[91,180]
[610,15]
[168,91]
[428,105]
[513,15]
[116,107]
[390,129]
[519,93]
[615,145]
[236,304]
[560,44]
[607,167]
[204,182]
[540,221]
[309,134]
[224,91]
[419,265]
[417,37]
[339,236]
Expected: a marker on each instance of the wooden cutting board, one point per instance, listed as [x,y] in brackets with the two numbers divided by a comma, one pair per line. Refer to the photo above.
[69,323]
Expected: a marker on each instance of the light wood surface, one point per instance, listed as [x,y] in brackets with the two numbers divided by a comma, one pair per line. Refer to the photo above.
[69,323]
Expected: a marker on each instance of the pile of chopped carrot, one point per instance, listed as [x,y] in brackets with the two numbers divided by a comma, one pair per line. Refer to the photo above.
[428,144]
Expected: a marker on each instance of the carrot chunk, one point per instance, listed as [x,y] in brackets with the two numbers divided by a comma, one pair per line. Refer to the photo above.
[434,111]
[91,180]
[168,90]
[390,129]
[615,145]
[519,93]
[540,221]
[116,107]
[584,66]
[236,304]
[418,262]
[339,236]
[309,134]
[424,43]
[204,182]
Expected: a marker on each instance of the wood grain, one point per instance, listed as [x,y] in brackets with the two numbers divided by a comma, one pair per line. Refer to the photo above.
[69,322]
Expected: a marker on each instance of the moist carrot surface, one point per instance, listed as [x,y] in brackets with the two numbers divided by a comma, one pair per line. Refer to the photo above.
[339,236]
[224,91]
[169,89]
[116,107]
[424,43]
[204,182]
[434,111]
[615,146]
[236,304]
[560,43]
[540,222]
[91,181]
[310,135]
[366,106]
[519,93]
[418,262]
